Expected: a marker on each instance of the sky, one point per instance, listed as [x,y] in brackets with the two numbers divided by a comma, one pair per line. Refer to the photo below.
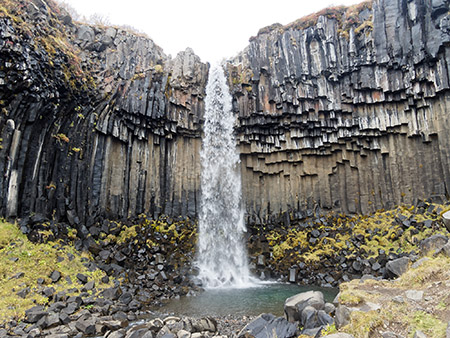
[213,29]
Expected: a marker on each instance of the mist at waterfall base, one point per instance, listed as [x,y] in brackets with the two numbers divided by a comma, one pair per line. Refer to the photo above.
[221,257]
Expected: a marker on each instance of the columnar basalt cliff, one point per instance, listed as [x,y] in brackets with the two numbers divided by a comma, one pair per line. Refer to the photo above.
[346,110]
[96,122]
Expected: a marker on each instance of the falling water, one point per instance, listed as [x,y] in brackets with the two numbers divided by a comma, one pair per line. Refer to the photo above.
[222,258]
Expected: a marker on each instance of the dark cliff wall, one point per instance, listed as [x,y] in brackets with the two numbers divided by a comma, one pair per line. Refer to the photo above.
[350,117]
[96,122]
[346,110]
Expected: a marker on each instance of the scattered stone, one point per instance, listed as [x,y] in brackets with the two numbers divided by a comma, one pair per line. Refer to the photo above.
[89,286]
[64,318]
[376,266]
[388,334]
[48,292]
[112,293]
[23,293]
[414,295]
[104,255]
[55,276]
[183,334]
[314,332]
[292,275]
[309,318]
[324,318]
[17,275]
[339,335]
[82,278]
[398,299]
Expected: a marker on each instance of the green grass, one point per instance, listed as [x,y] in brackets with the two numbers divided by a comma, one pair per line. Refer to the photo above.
[411,318]
[18,254]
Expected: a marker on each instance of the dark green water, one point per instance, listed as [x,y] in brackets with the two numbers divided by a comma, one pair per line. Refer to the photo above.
[266,298]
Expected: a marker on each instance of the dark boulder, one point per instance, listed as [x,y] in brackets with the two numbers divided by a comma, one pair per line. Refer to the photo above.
[34,314]
[268,326]
[294,305]
[396,267]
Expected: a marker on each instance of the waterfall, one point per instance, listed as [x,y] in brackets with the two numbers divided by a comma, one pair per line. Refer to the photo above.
[222,257]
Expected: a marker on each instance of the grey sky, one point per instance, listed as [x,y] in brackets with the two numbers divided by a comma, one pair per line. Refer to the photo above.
[213,29]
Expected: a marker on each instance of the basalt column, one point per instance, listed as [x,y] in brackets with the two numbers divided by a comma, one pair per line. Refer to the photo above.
[345,110]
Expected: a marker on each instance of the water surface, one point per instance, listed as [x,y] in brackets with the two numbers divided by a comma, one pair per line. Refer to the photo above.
[268,298]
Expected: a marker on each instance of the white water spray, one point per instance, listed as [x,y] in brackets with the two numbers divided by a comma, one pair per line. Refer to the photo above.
[222,258]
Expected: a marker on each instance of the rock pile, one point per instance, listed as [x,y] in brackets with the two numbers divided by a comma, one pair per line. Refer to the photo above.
[329,249]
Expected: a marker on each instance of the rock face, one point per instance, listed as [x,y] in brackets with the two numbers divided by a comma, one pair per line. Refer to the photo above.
[100,123]
[345,117]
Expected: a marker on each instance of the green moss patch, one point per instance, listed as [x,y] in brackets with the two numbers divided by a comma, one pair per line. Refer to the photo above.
[22,263]
[323,239]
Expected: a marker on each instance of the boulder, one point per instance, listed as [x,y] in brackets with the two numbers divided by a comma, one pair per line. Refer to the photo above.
[112,293]
[52,320]
[55,276]
[139,332]
[82,278]
[324,318]
[396,267]
[414,295]
[339,335]
[446,219]
[309,318]
[86,325]
[204,324]
[294,305]
[329,308]
[342,316]
[268,326]
[434,242]
[34,314]
[183,334]
[444,250]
